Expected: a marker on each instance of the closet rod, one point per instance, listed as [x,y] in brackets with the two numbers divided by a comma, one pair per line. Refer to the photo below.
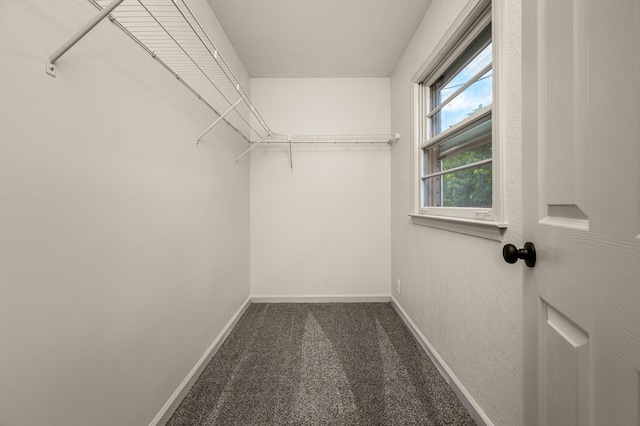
[50,68]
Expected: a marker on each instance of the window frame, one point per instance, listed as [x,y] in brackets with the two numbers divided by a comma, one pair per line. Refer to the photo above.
[483,222]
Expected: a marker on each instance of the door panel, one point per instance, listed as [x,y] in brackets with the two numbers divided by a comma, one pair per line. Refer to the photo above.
[614,116]
[618,388]
[565,92]
[565,349]
[581,163]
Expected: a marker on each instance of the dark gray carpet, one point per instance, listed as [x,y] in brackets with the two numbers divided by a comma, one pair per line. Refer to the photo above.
[320,364]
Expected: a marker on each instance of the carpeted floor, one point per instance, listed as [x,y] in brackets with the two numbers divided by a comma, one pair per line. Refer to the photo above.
[320,364]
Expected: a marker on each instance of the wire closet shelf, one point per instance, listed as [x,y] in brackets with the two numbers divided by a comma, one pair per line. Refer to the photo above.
[169,31]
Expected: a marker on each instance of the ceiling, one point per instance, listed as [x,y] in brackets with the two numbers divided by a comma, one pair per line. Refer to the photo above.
[319,38]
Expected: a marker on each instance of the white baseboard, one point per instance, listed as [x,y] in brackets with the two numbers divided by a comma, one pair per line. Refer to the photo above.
[321,298]
[461,392]
[170,406]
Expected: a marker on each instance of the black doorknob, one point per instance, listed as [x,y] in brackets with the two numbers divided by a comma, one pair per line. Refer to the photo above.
[511,254]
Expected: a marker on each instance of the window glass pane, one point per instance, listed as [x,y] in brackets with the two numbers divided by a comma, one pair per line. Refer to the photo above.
[425,162]
[481,60]
[425,193]
[468,188]
[428,167]
[468,137]
[466,157]
[474,98]
[432,190]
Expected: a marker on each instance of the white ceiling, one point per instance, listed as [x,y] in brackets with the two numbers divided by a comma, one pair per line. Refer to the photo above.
[319,38]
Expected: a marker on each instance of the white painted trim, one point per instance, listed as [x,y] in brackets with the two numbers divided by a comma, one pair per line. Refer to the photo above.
[499,113]
[320,298]
[477,228]
[170,406]
[465,397]
[469,23]
[445,51]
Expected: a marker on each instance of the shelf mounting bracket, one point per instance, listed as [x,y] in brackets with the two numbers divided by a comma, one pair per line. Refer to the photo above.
[224,114]
[249,150]
[51,61]
[290,153]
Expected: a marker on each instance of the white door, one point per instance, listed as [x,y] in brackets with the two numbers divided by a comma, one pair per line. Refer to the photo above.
[581,161]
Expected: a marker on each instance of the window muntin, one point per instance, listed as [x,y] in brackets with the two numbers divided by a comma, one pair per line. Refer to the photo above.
[468,187]
[457,154]
[475,97]
[481,60]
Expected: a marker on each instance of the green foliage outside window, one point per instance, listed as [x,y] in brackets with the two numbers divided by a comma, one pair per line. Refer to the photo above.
[470,187]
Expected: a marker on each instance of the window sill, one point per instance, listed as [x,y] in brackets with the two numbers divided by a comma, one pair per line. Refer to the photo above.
[477,228]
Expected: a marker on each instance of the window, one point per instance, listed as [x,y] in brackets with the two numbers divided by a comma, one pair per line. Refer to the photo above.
[456,150]
[457,116]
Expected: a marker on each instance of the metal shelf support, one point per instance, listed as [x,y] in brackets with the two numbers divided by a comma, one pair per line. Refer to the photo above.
[290,153]
[50,67]
[224,114]
[250,149]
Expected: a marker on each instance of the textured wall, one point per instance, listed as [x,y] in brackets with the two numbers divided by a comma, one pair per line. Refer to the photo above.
[322,229]
[464,298]
[124,247]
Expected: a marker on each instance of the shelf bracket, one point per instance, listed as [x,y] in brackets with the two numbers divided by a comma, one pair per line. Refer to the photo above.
[50,66]
[249,150]
[224,114]
[290,153]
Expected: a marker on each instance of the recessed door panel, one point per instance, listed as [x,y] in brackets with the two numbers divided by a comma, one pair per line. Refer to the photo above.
[617,388]
[614,117]
[564,113]
[565,358]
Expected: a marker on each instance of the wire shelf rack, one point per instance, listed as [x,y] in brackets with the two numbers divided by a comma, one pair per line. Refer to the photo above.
[373,138]
[169,31]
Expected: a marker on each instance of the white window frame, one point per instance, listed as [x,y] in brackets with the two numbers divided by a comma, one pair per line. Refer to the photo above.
[487,223]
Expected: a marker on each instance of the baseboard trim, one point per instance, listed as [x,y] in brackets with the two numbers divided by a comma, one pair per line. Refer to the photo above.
[321,298]
[170,406]
[461,392]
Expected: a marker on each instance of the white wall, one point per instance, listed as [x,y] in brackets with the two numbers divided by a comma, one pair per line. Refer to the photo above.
[123,246]
[463,297]
[322,229]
